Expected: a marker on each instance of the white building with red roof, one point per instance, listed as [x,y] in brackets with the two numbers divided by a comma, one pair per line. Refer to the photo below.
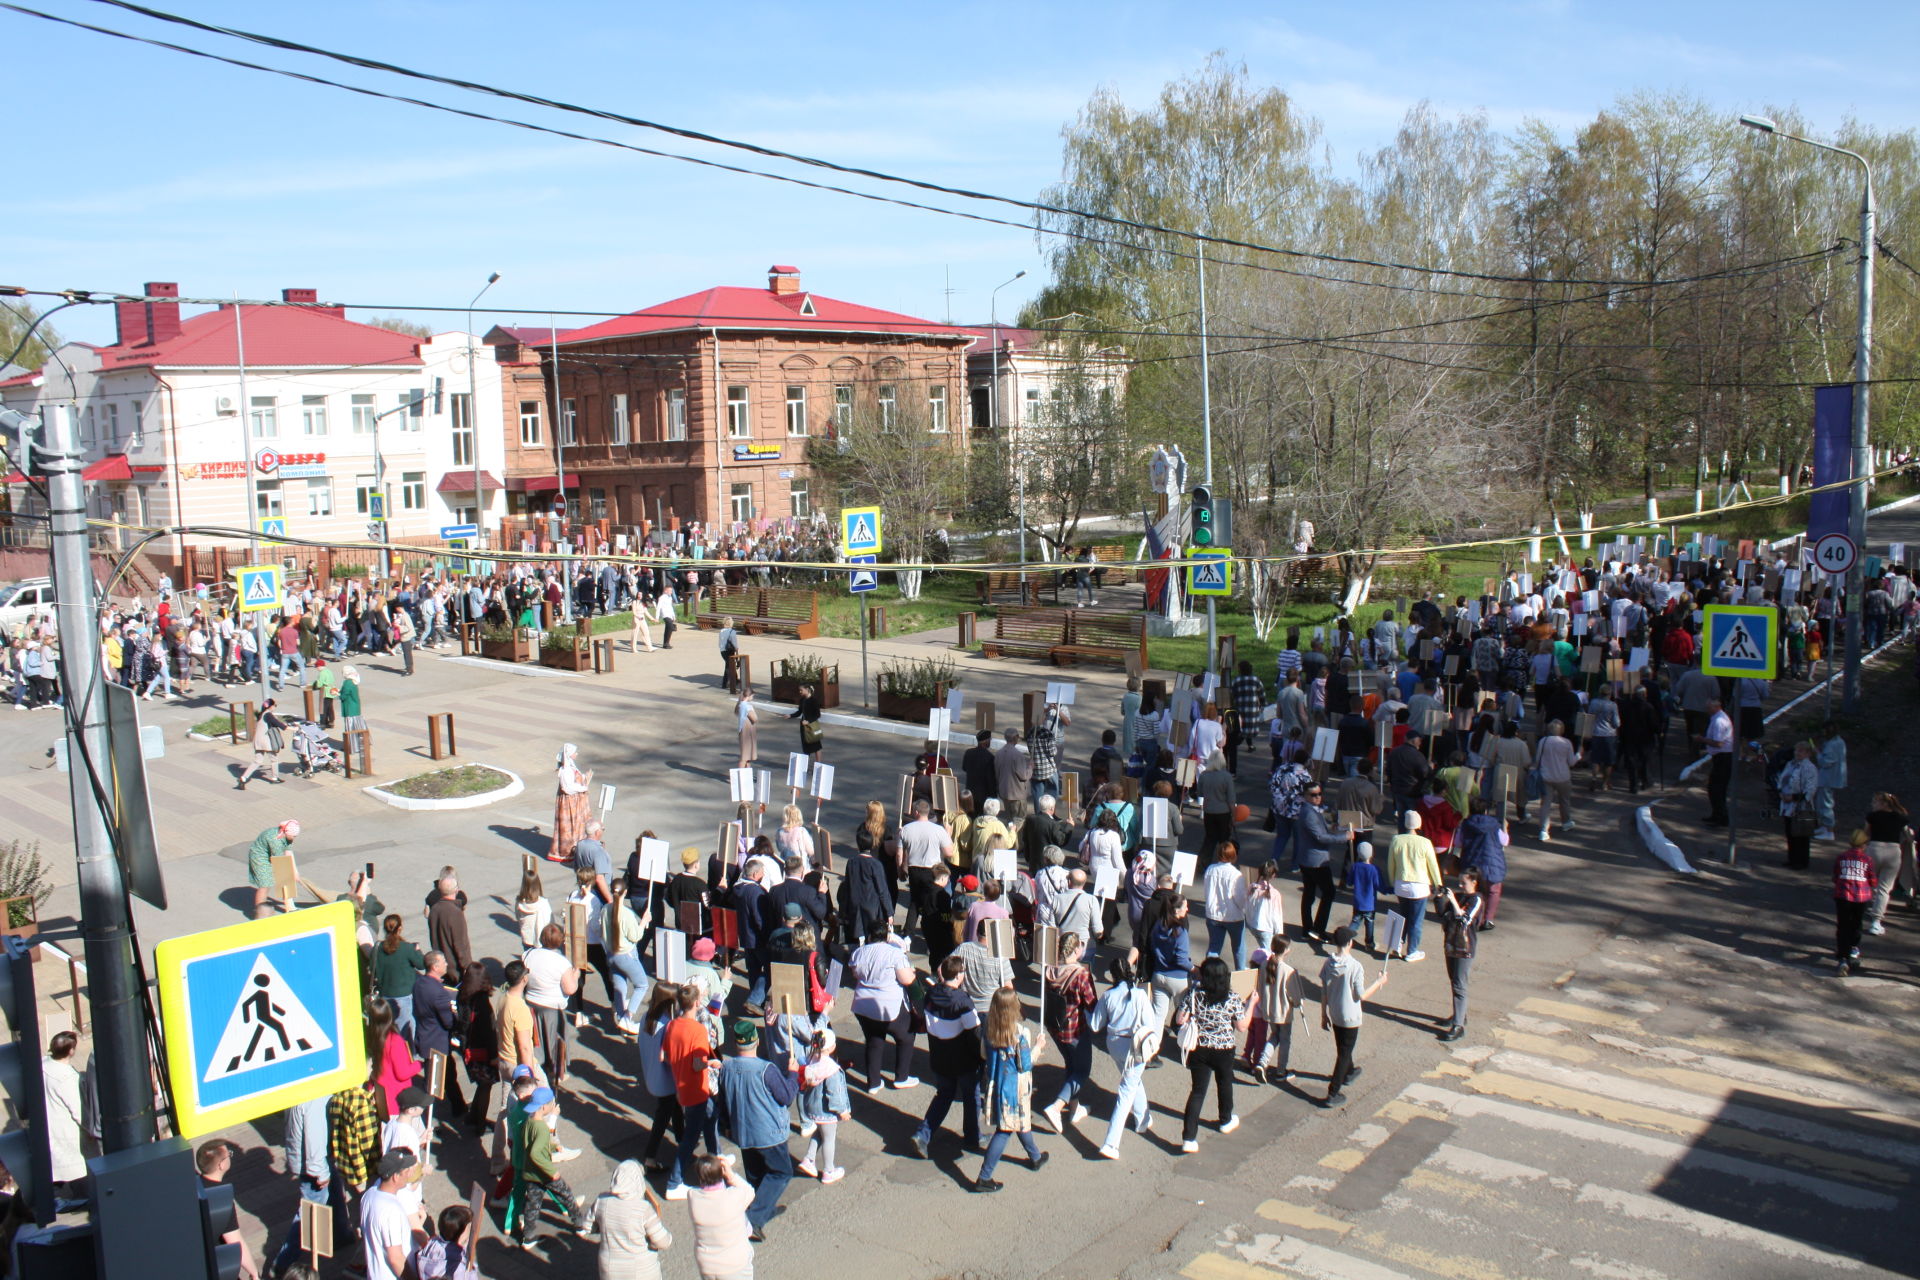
[701,408]
[173,440]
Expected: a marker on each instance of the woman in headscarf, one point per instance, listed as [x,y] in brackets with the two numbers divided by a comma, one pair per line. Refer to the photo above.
[351,716]
[570,809]
[627,1220]
[747,723]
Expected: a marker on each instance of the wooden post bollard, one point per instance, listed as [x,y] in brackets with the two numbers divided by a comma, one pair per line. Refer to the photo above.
[469,639]
[360,740]
[969,626]
[603,655]
[743,670]
[310,699]
[982,716]
[240,718]
[876,621]
[1030,706]
[440,740]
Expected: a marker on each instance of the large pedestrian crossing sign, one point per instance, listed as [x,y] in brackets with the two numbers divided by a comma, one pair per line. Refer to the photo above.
[261,1016]
[259,586]
[1740,640]
[860,531]
[1212,572]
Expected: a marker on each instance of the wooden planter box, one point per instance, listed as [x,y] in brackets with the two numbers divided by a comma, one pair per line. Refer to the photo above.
[909,710]
[28,931]
[788,690]
[518,649]
[569,658]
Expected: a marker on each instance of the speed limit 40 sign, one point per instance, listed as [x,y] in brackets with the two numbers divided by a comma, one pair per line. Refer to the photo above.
[1835,553]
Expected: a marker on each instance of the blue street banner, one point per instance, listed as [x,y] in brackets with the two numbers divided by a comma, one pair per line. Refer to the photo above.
[1832,460]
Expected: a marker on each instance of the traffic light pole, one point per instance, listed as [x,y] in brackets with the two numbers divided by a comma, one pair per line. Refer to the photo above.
[1206,446]
[122,1069]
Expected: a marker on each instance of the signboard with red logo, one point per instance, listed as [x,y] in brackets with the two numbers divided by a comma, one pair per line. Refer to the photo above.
[290,466]
[267,461]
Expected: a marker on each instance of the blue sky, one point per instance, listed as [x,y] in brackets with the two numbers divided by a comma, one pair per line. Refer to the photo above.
[133,164]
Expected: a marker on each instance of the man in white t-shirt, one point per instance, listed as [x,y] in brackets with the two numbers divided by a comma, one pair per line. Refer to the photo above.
[924,844]
[386,1227]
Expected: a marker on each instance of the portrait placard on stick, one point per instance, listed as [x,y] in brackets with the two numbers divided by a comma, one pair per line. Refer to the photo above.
[1046,944]
[1591,656]
[1185,866]
[997,935]
[1355,820]
[1156,822]
[763,786]
[740,786]
[286,877]
[787,989]
[822,786]
[1451,665]
[316,1230]
[607,793]
[436,1074]
[689,919]
[727,843]
[939,725]
[982,716]
[1393,929]
[670,954]
[1070,790]
[577,934]
[904,805]
[653,860]
[1106,883]
[1182,734]
[1326,745]
[1243,982]
[1060,692]
[1002,866]
[799,765]
[726,928]
[946,793]
[1186,771]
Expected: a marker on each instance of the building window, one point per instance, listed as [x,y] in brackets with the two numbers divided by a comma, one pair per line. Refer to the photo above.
[86,426]
[266,417]
[741,502]
[364,414]
[569,422]
[799,500]
[313,415]
[319,496]
[530,422]
[110,423]
[737,424]
[796,411]
[363,487]
[266,499]
[843,407]
[936,409]
[889,406]
[462,429]
[676,413]
[413,491]
[1033,413]
[618,428]
[599,499]
[415,401]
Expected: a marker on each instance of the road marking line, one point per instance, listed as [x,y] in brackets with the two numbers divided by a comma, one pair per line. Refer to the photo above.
[1607,1000]
[1537,1026]
[1345,1161]
[1301,1218]
[1827,1082]
[1671,1154]
[1629,966]
[1612,1268]
[1311,1261]
[1542,1045]
[1217,1266]
[1439,1264]
[1716,1105]
[1579,1013]
[1708,1082]
[1800,1060]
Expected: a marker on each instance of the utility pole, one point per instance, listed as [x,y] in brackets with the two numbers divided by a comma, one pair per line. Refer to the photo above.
[253,502]
[1206,446]
[122,1069]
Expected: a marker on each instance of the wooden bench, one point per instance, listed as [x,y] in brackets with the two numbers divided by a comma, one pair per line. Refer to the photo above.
[1119,638]
[1027,633]
[1104,558]
[785,612]
[763,611]
[1038,583]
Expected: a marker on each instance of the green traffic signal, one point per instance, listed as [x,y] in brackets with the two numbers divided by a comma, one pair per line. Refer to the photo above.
[1202,516]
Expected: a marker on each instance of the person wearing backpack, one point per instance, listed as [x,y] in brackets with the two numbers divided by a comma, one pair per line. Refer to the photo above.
[1459,912]
[953,1051]
[1125,1017]
[1070,995]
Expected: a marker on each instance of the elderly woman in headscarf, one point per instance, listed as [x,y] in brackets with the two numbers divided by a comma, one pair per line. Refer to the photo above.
[570,808]
[351,716]
[627,1220]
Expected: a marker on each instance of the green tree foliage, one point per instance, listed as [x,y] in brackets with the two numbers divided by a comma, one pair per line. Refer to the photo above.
[15,319]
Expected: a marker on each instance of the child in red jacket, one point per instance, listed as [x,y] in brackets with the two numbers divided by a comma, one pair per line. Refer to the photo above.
[1854,879]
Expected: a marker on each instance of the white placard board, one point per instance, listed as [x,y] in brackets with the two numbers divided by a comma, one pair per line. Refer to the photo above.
[763,786]
[939,724]
[1185,867]
[1106,883]
[653,860]
[798,765]
[1393,930]
[955,699]
[740,786]
[607,792]
[1002,867]
[822,782]
[670,954]
[1060,692]
[1326,745]
[1579,624]
[1156,818]
[1209,685]
[836,973]
[1637,658]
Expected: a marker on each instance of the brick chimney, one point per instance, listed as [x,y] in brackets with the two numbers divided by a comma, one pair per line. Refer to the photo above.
[783,280]
[310,298]
[142,323]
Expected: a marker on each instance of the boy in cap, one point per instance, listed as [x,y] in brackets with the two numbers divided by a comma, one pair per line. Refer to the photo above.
[386,1226]
[407,1130]
[754,1096]
[536,1177]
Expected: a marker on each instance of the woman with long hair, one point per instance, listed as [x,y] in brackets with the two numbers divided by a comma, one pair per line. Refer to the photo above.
[396,963]
[1890,845]
[1007,1086]
[655,1074]
[1218,1017]
[393,1064]
[622,943]
[570,807]
[479,1040]
[793,839]
[532,909]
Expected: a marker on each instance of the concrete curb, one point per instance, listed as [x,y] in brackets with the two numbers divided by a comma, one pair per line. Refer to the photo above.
[1658,844]
[873,724]
[515,668]
[513,788]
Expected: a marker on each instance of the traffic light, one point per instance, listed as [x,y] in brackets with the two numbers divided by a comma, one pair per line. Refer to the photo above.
[1202,516]
[24,1150]
[19,434]
[217,1220]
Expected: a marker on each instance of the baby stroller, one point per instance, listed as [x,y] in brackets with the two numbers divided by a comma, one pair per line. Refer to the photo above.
[311,748]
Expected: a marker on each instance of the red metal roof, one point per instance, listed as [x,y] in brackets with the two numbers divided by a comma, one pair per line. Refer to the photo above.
[527,337]
[462,482]
[541,484]
[275,337]
[1009,337]
[112,467]
[731,307]
[22,380]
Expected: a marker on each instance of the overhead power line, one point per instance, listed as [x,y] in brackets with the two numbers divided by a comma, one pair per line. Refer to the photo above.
[1033,206]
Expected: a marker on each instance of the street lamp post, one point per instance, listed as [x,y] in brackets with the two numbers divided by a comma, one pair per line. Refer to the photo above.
[473,418]
[1862,373]
[993,423]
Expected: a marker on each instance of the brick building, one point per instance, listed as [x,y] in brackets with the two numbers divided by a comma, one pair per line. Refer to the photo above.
[701,408]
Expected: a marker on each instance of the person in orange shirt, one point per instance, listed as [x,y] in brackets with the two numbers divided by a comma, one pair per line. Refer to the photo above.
[689,1052]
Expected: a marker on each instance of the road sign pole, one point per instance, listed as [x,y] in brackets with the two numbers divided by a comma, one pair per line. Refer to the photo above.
[866,697]
[120,1063]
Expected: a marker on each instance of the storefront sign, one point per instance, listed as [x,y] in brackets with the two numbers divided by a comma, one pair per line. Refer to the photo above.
[756,453]
[290,466]
[214,471]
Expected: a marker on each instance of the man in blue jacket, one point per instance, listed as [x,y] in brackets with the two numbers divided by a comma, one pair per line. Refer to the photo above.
[754,1097]
[1481,845]
[434,1022]
[748,902]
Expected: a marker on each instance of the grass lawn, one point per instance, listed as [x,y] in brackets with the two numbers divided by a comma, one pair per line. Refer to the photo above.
[449,784]
[214,727]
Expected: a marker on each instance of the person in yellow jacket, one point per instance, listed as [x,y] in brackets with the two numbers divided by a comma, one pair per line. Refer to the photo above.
[1413,871]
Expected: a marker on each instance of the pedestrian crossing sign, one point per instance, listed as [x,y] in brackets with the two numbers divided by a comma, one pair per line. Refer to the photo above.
[272,528]
[1740,640]
[259,586]
[261,1016]
[863,579]
[860,531]
[1212,574]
